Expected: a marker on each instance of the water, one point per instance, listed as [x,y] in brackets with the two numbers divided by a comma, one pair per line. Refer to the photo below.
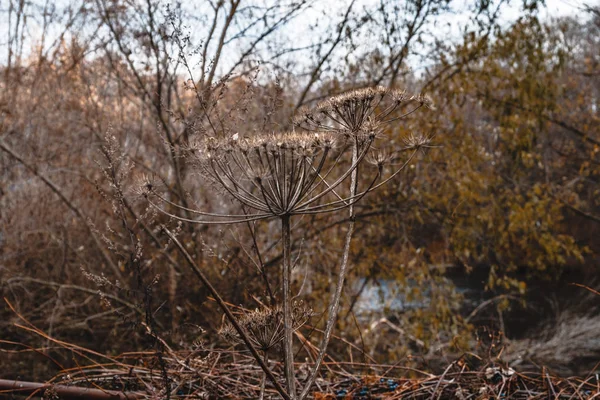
[385,294]
[543,299]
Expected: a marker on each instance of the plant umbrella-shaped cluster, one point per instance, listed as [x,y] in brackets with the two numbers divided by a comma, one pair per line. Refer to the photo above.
[264,326]
[355,111]
[276,174]
[265,329]
[280,175]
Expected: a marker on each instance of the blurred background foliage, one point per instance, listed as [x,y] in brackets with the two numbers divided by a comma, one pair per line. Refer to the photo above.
[487,229]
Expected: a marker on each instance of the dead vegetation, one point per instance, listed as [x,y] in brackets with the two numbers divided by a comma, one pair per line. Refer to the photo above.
[102,291]
[208,373]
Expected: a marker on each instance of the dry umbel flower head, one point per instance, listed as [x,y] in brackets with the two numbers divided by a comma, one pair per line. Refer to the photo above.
[276,173]
[417,141]
[350,113]
[264,326]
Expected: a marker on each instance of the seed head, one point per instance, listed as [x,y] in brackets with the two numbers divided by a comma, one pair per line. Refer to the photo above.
[145,185]
[352,112]
[264,326]
[268,172]
[425,101]
[417,141]
[399,96]
[379,159]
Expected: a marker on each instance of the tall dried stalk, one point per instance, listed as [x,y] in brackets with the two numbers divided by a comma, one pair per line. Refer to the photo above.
[282,175]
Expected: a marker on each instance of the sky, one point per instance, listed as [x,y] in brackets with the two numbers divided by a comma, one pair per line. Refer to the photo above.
[331,9]
[559,8]
[448,26]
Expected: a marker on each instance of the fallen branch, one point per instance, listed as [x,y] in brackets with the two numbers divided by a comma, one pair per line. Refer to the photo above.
[30,389]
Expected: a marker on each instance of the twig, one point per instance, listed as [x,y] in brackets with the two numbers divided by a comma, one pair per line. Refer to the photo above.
[228,313]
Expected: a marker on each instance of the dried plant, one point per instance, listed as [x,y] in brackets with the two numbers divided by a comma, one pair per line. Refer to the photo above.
[311,171]
[264,326]
[265,329]
[59,97]
[360,110]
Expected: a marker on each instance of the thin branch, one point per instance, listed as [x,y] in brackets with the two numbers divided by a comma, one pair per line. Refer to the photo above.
[228,313]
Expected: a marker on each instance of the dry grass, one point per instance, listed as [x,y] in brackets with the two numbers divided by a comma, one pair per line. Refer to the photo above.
[564,344]
[232,375]
[204,373]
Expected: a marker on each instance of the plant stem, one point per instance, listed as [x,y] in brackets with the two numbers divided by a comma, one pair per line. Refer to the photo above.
[334,306]
[263,380]
[288,329]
